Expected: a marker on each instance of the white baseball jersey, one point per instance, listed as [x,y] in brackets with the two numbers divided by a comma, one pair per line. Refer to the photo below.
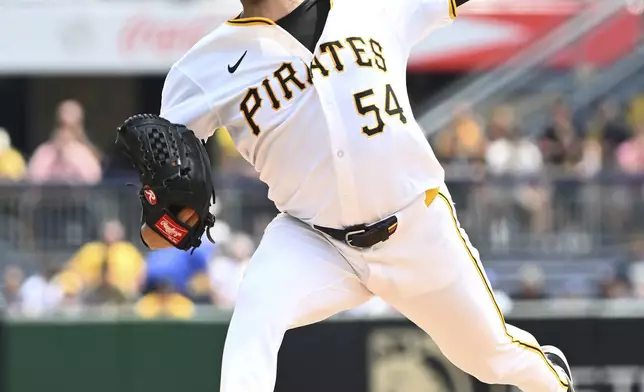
[330,132]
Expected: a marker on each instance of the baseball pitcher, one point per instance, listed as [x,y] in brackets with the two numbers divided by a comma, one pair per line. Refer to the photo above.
[313,93]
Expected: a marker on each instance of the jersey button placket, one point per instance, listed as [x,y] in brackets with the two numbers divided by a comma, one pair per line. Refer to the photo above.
[344,176]
[345,171]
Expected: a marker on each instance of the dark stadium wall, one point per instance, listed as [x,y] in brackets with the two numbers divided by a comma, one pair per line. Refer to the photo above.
[349,356]
[149,91]
[13,109]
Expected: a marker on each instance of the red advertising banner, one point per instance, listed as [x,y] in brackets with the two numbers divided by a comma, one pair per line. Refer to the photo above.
[489,36]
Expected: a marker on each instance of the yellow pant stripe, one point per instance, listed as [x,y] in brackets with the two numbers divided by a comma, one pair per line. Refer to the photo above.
[564,383]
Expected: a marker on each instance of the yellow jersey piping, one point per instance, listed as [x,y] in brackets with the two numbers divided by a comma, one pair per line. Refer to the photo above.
[452,9]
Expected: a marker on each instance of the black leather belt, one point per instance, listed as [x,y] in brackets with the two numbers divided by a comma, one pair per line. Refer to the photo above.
[363,236]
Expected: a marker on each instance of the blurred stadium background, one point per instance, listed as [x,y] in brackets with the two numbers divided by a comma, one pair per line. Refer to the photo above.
[535,107]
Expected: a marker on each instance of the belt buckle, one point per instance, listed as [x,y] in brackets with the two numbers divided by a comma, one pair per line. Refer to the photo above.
[350,233]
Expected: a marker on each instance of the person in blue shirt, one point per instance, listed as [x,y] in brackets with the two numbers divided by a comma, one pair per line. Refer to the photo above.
[188,273]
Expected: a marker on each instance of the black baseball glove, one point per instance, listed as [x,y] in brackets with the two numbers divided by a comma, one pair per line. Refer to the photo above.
[175,174]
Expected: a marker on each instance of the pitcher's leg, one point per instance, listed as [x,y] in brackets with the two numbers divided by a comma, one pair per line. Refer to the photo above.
[295,278]
[463,318]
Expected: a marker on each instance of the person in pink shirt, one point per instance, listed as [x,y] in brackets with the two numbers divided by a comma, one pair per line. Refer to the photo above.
[68,156]
[630,154]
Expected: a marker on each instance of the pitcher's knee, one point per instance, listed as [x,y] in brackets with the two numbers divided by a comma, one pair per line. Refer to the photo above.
[483,364]
[489,373]
[261,314]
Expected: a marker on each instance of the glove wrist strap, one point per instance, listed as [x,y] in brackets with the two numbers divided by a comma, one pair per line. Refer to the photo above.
[173,230]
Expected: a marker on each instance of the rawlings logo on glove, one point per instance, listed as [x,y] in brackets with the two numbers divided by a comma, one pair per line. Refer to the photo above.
[171,231]
[150,196]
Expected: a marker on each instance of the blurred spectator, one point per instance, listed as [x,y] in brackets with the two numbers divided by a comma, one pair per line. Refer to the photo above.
[560,143]
[104,293]
[165,301]
[227,269]
[40,293]
[576,287]
[510,153]
[11,282]
[532,283]
[461,149]
[187,272]
[463,140]
[630,154]
[567,154]
[592,161]
[68,157]
[635,113]
[71,115]
[126,265]
[613,285]
[637,278]
[635,270]
[12,164]
[610,130]
[71,286]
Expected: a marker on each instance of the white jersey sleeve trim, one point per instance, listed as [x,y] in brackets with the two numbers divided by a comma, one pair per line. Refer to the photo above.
[418,18]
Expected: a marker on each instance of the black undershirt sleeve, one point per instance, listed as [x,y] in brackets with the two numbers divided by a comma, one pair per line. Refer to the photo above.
[307,21]
[461,2]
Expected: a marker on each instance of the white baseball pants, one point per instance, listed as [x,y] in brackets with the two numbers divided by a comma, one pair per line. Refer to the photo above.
[428,270]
